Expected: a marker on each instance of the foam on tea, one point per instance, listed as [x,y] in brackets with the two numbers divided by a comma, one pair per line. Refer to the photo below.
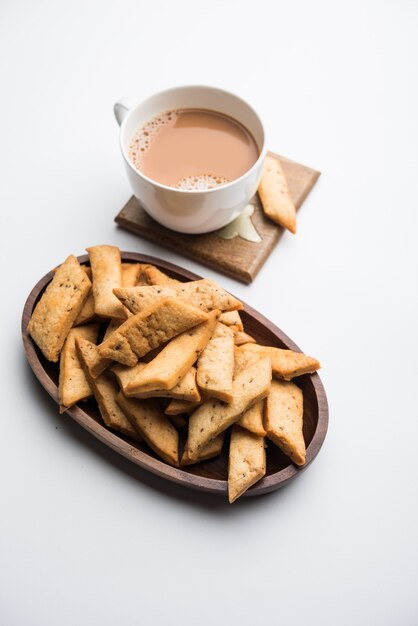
[193,149]
[202,181]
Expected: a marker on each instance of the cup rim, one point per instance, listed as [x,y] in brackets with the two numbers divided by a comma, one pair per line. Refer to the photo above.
[260,158]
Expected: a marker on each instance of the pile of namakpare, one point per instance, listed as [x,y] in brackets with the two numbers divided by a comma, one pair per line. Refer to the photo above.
[159,355]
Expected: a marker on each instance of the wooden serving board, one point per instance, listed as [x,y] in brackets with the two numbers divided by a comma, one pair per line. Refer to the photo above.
[236,257]
[207,476]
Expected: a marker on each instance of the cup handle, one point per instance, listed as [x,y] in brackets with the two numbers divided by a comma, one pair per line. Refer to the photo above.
[122,108]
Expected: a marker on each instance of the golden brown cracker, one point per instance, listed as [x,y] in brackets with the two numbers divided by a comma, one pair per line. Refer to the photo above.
[155,427]
[87,313]
[216,364]
[105,389]
[284,419]
[141,333]
[205,294]
[177,407]
[186,389]
[73,385]
[106,266]
[213,448]
[241,338]
[178,421]
[174,361]
[286,364]
[142,278]
[95,363]
[157,277]
[130,274]
[58,307]
[124,374]
[232,319]
[243,359]
[111,327]
[252,419]
[213,416]
[275,196]
[117,348]
[247,462]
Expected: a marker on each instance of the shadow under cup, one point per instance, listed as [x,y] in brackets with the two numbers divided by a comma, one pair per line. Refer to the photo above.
[192,211]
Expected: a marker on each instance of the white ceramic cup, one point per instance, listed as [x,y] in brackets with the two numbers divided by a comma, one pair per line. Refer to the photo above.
[194,211]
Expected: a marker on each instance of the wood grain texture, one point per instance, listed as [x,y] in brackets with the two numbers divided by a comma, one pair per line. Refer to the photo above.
[211,475]
[236,257]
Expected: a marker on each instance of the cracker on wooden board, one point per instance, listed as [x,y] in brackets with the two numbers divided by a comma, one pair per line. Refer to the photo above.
[58,307]
[213,416]
[275,196]
[106,267]
[161,321]
[205,294]
[73,385]
[247,461]
[284,419]
[105,389]
[155,427]
[252,419]
[212,449]
[215,365]
[174,361]
[232,319]
[286,364]
[95,363]
[186,389]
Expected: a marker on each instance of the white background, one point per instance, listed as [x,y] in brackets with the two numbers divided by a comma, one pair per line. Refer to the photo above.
[86,537]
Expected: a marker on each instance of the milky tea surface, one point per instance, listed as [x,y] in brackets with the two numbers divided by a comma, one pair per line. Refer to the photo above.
[193,149]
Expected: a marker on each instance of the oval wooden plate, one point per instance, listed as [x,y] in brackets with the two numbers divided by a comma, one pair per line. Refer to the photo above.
[209,476]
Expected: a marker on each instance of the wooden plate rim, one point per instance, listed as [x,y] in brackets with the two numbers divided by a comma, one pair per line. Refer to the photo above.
[209,485]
